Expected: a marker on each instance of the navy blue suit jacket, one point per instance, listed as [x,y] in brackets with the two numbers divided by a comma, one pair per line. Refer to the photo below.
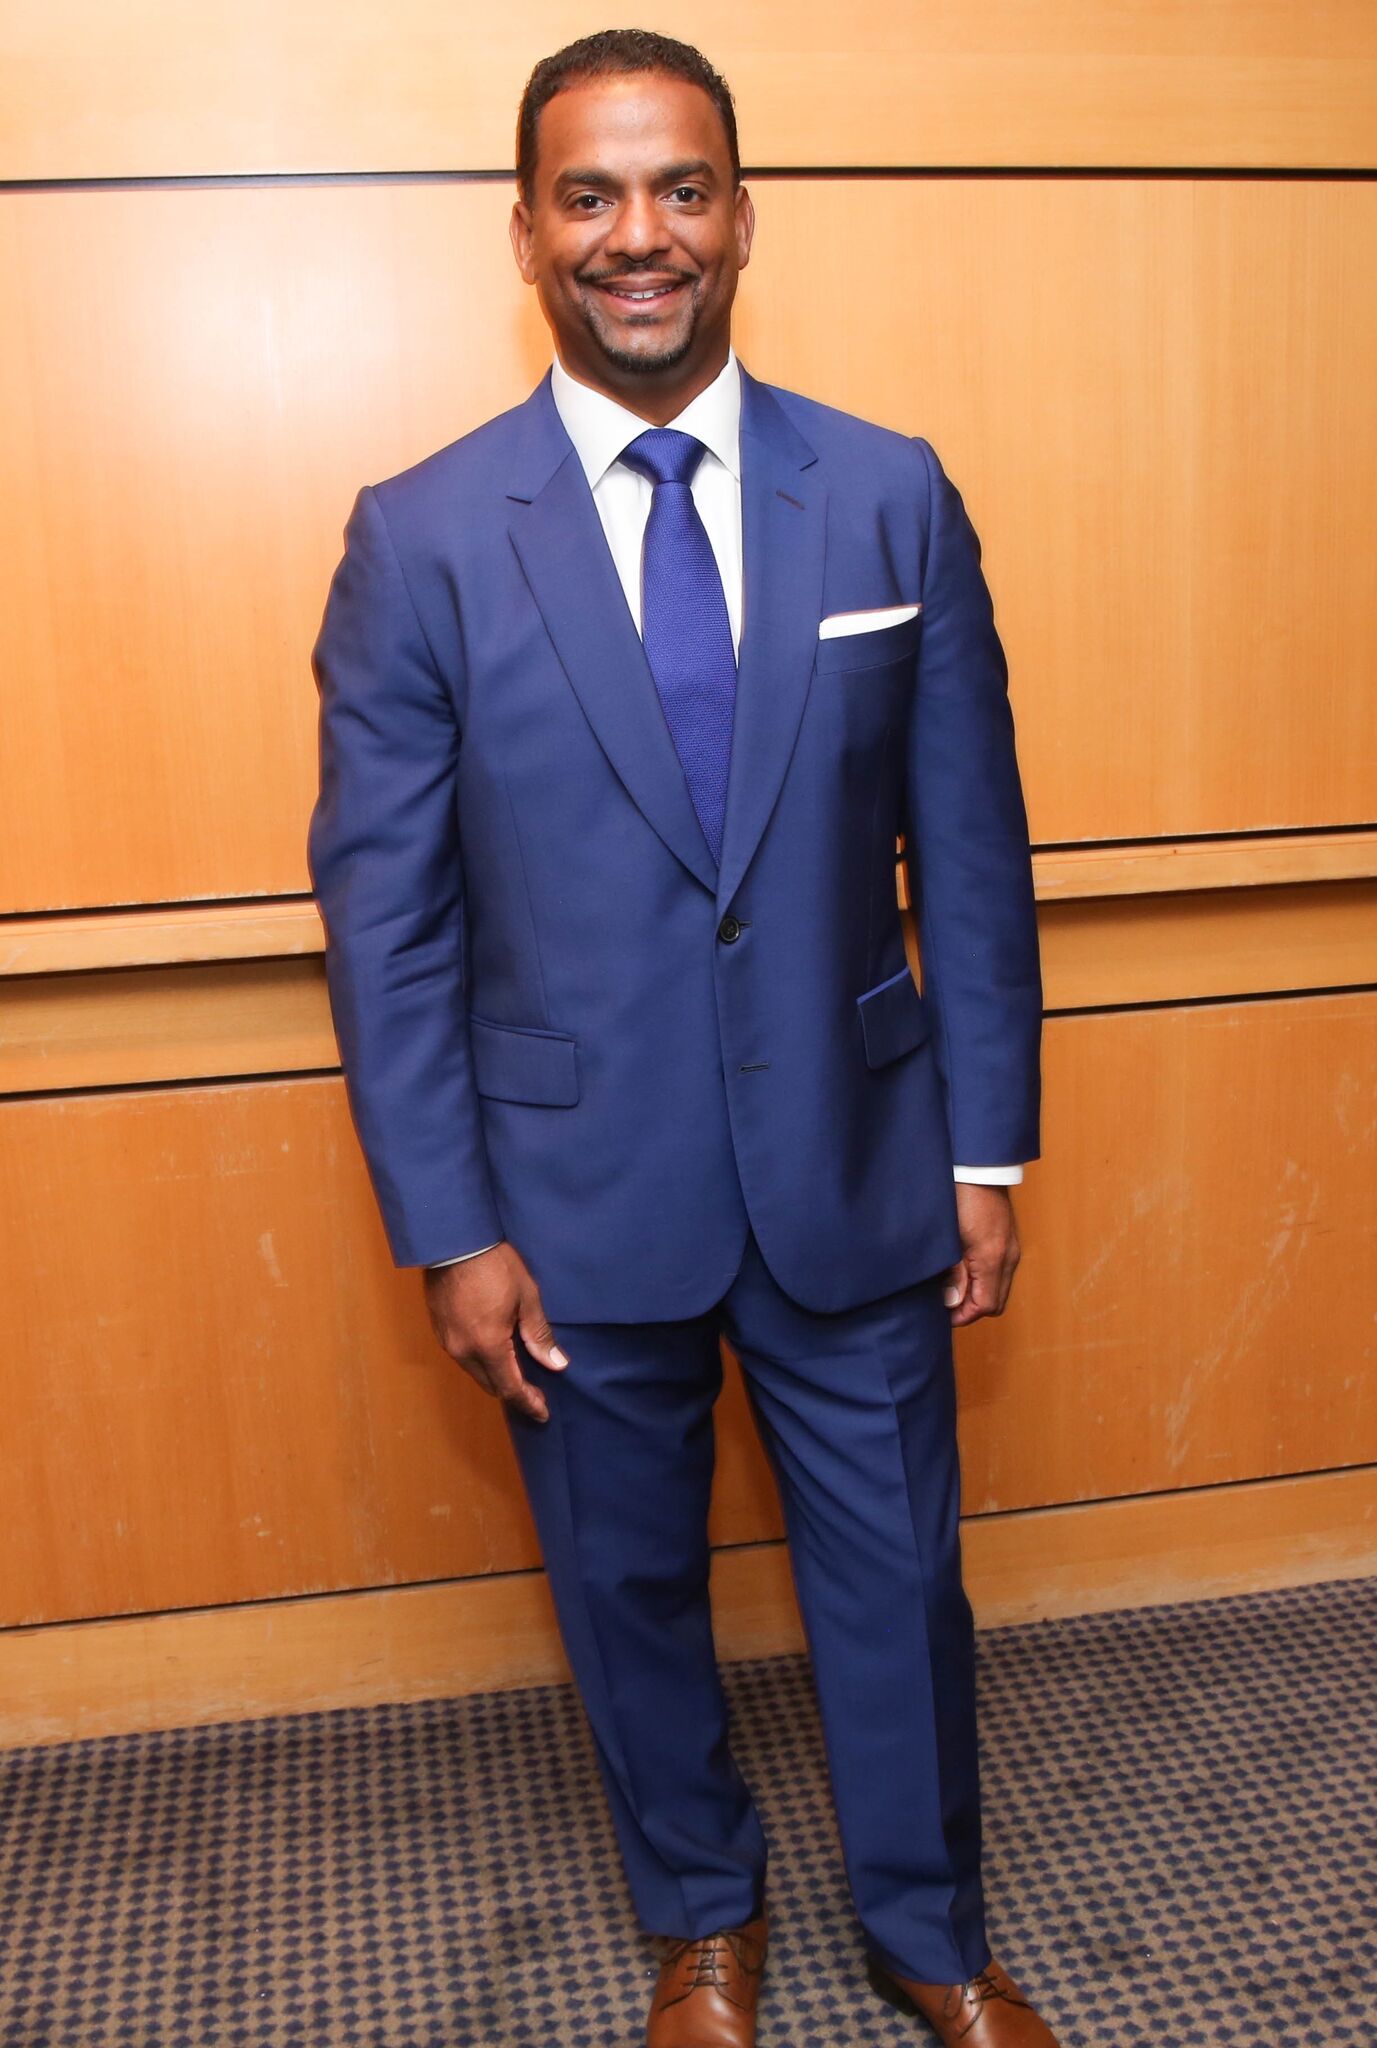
[559,1022]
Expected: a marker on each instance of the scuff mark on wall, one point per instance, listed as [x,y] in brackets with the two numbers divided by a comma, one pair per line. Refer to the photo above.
[268,1253]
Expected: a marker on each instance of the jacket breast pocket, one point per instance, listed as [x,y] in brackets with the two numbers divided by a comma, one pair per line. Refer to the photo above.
[880,647]
[523,1063]
[894,1018]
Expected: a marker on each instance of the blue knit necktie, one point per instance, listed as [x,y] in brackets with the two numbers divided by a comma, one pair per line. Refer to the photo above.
[685,626]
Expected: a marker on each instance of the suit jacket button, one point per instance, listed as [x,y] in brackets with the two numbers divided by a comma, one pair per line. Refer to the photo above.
[730,928]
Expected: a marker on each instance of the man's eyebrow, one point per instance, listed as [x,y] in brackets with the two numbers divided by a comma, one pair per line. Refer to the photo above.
[690,167]
[567,178]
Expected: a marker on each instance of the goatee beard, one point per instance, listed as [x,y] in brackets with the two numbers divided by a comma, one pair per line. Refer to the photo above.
[643,365]
[627,359]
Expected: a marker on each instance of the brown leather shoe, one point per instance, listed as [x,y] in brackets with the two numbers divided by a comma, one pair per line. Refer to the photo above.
[987,2011]
[707,1989]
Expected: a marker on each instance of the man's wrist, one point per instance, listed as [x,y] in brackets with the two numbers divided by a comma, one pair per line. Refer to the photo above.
[435,1264]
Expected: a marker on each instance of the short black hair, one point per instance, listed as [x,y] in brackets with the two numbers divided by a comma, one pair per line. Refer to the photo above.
[602,55]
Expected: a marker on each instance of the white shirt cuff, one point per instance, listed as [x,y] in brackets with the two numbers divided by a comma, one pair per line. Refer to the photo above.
[435,1264]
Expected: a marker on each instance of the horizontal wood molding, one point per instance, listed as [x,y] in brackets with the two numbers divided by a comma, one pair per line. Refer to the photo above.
[129,998]
[1162,866]
[166,935]
[150,88]
[162,936]
[120,1676]
[1209,945]
[121,1027]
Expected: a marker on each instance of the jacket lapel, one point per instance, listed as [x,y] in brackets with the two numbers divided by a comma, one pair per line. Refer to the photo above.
[783,542]
[563,552]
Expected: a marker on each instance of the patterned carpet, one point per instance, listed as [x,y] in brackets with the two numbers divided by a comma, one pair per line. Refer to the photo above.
[1182,1853]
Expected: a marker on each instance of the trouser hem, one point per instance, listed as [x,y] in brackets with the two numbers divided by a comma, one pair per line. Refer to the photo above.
[713,1926]
[925,1970]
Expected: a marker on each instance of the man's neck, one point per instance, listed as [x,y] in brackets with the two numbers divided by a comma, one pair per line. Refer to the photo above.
[644,396]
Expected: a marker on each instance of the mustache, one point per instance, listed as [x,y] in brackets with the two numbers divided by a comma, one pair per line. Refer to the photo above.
[629,276]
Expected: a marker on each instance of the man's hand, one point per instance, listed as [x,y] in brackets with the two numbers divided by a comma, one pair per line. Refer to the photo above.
[978,1284]
[474,1307]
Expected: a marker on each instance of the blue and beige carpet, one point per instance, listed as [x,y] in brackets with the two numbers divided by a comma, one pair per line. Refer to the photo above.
[1180,1813]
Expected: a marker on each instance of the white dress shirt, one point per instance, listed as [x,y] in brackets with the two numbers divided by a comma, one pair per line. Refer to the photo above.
[600,428]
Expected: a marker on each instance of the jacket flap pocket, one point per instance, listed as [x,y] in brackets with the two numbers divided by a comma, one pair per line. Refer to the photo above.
[894,1018]
[519,1063]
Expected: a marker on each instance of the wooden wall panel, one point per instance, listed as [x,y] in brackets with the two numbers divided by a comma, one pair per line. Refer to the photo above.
[154,87]
[229,1394]
[195,387]
[1144,388]
[227,1391]
[1147,393]
[1196,1300]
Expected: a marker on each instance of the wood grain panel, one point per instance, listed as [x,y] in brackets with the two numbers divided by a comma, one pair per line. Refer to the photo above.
[1146,393]
[229,1394]
[152,87]
[176,395]
[1144,389]
[74,1681]
[1196,1298]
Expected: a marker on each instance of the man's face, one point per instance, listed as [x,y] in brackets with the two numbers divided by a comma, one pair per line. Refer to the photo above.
[634,235]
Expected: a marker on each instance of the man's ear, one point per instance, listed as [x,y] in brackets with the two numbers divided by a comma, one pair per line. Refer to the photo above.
[519,227]
[745,226]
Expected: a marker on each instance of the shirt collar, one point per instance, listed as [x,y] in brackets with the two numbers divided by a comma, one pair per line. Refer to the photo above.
[600,428]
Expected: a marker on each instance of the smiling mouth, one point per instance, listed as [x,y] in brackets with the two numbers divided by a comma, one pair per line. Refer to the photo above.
[640,295]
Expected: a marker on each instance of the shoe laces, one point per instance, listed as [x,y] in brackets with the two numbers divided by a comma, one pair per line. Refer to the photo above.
[698,1962]
[977,1991]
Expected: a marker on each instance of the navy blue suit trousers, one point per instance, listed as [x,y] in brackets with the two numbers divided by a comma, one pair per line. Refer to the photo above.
[857,1412]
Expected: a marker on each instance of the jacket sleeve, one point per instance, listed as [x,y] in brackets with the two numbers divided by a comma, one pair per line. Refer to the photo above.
[384,857]
[967,849]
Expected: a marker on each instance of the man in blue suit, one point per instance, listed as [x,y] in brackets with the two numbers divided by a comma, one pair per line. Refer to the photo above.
[626,697]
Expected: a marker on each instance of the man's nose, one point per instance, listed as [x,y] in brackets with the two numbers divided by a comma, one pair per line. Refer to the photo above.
[638,229]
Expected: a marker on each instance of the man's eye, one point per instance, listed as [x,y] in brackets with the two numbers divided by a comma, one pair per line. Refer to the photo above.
[691,190]
[594,196]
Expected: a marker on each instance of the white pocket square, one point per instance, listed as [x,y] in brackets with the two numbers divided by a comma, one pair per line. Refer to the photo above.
[866,622]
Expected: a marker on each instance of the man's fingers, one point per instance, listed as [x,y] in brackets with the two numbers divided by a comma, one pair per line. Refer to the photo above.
[537,1335]
[511,1385]
[956,1284]
[987,1287]
[476,1368]
[984,1289]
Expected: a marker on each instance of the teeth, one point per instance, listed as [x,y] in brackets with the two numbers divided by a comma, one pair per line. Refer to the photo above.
[657,293]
